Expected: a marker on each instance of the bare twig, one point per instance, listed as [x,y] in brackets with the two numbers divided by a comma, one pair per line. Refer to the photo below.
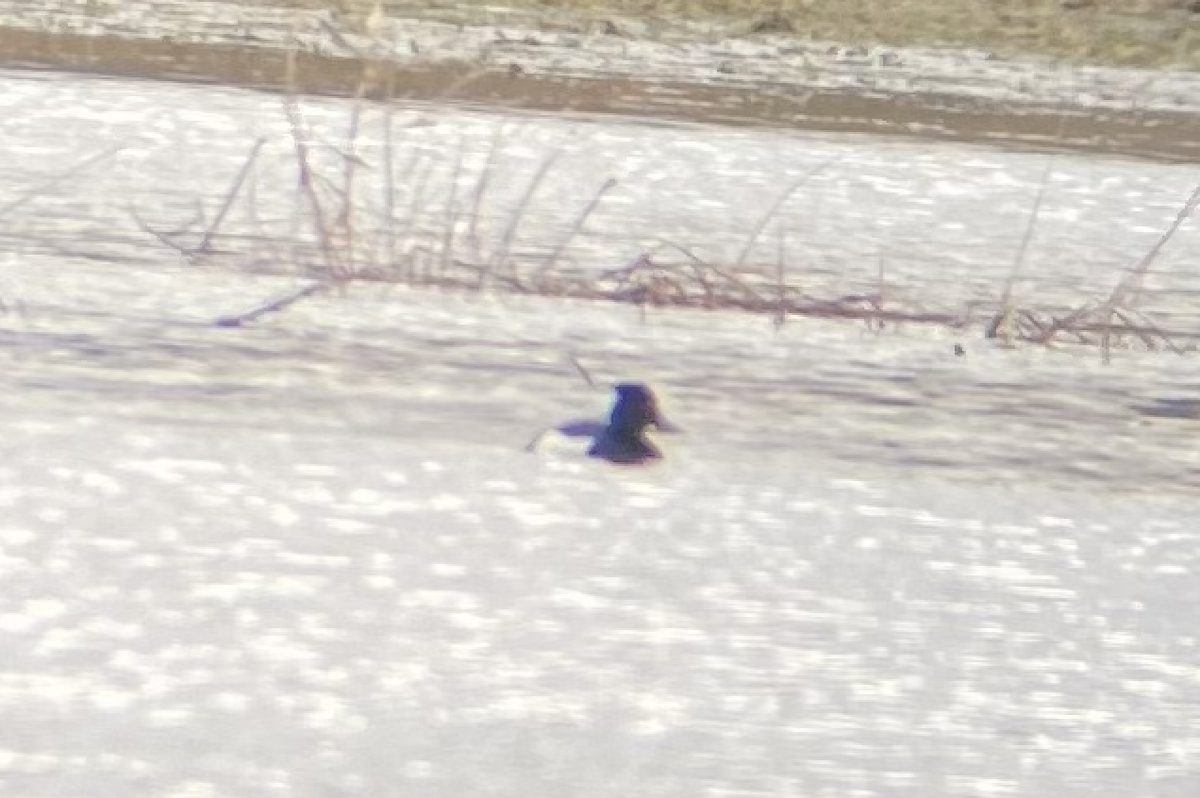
[306,176]
[727,276]
[1005,318]
[583,372]
[51,182]
[779,202]
[230,196]
[780,317]
[450,223]
[556,253]
[270,306]
[481,187]
[500,256]
[168,237]
[388,186]
[1126,291]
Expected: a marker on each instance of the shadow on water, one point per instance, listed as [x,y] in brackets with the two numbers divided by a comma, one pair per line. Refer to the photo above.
[1153,134]
[1171,408]
[378,386]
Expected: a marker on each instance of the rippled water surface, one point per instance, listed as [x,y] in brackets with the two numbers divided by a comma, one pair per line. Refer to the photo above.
[310,557]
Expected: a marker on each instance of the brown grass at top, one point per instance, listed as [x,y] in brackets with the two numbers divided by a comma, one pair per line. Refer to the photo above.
[1145,33]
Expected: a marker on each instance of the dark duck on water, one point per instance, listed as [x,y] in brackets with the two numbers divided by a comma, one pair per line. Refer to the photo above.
[624,439]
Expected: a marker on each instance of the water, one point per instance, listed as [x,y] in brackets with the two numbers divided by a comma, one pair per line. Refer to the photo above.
[309,556]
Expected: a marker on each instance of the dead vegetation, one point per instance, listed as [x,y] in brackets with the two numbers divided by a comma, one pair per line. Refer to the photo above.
[1112,323]
[355,230]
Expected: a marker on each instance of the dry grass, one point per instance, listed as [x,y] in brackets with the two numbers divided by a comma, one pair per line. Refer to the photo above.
[1145,33]
[354,238]
[353,235]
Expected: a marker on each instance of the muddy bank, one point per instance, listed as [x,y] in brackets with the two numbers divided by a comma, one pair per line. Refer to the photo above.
[1147,133]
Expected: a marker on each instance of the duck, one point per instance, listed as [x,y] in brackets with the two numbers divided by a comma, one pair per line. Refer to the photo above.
[623,440]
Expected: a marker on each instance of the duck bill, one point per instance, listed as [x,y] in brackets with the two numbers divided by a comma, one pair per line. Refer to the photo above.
[664,425]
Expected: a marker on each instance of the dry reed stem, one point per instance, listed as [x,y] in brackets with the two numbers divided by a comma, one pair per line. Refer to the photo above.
[335,236]
[1149,328]
[344,222]
[778,204]
[388,185]
[450,222]
[51,182]
[573,359]
[204,246]
[270,306]
[230,196]
[556,253]
[167,237]
[306,177]
[1006,298]
[1127,290]
[780,317]
[742,286]
[500,256]
[646,281]
[481,188]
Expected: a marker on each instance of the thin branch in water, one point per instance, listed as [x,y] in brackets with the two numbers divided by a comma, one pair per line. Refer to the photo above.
[1131,285]
[167,238]
[481,187]
[1006,298]
[388,184]
[230,195]
[877,325]
[51,182]
[1126,291]
[273,305]
[779,202]
[419,170]
[1147,324]
[306,176]
[781,310]
[500,257]
[583,372]
[344,223]
[450,223]
[728,277]
[553,258]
